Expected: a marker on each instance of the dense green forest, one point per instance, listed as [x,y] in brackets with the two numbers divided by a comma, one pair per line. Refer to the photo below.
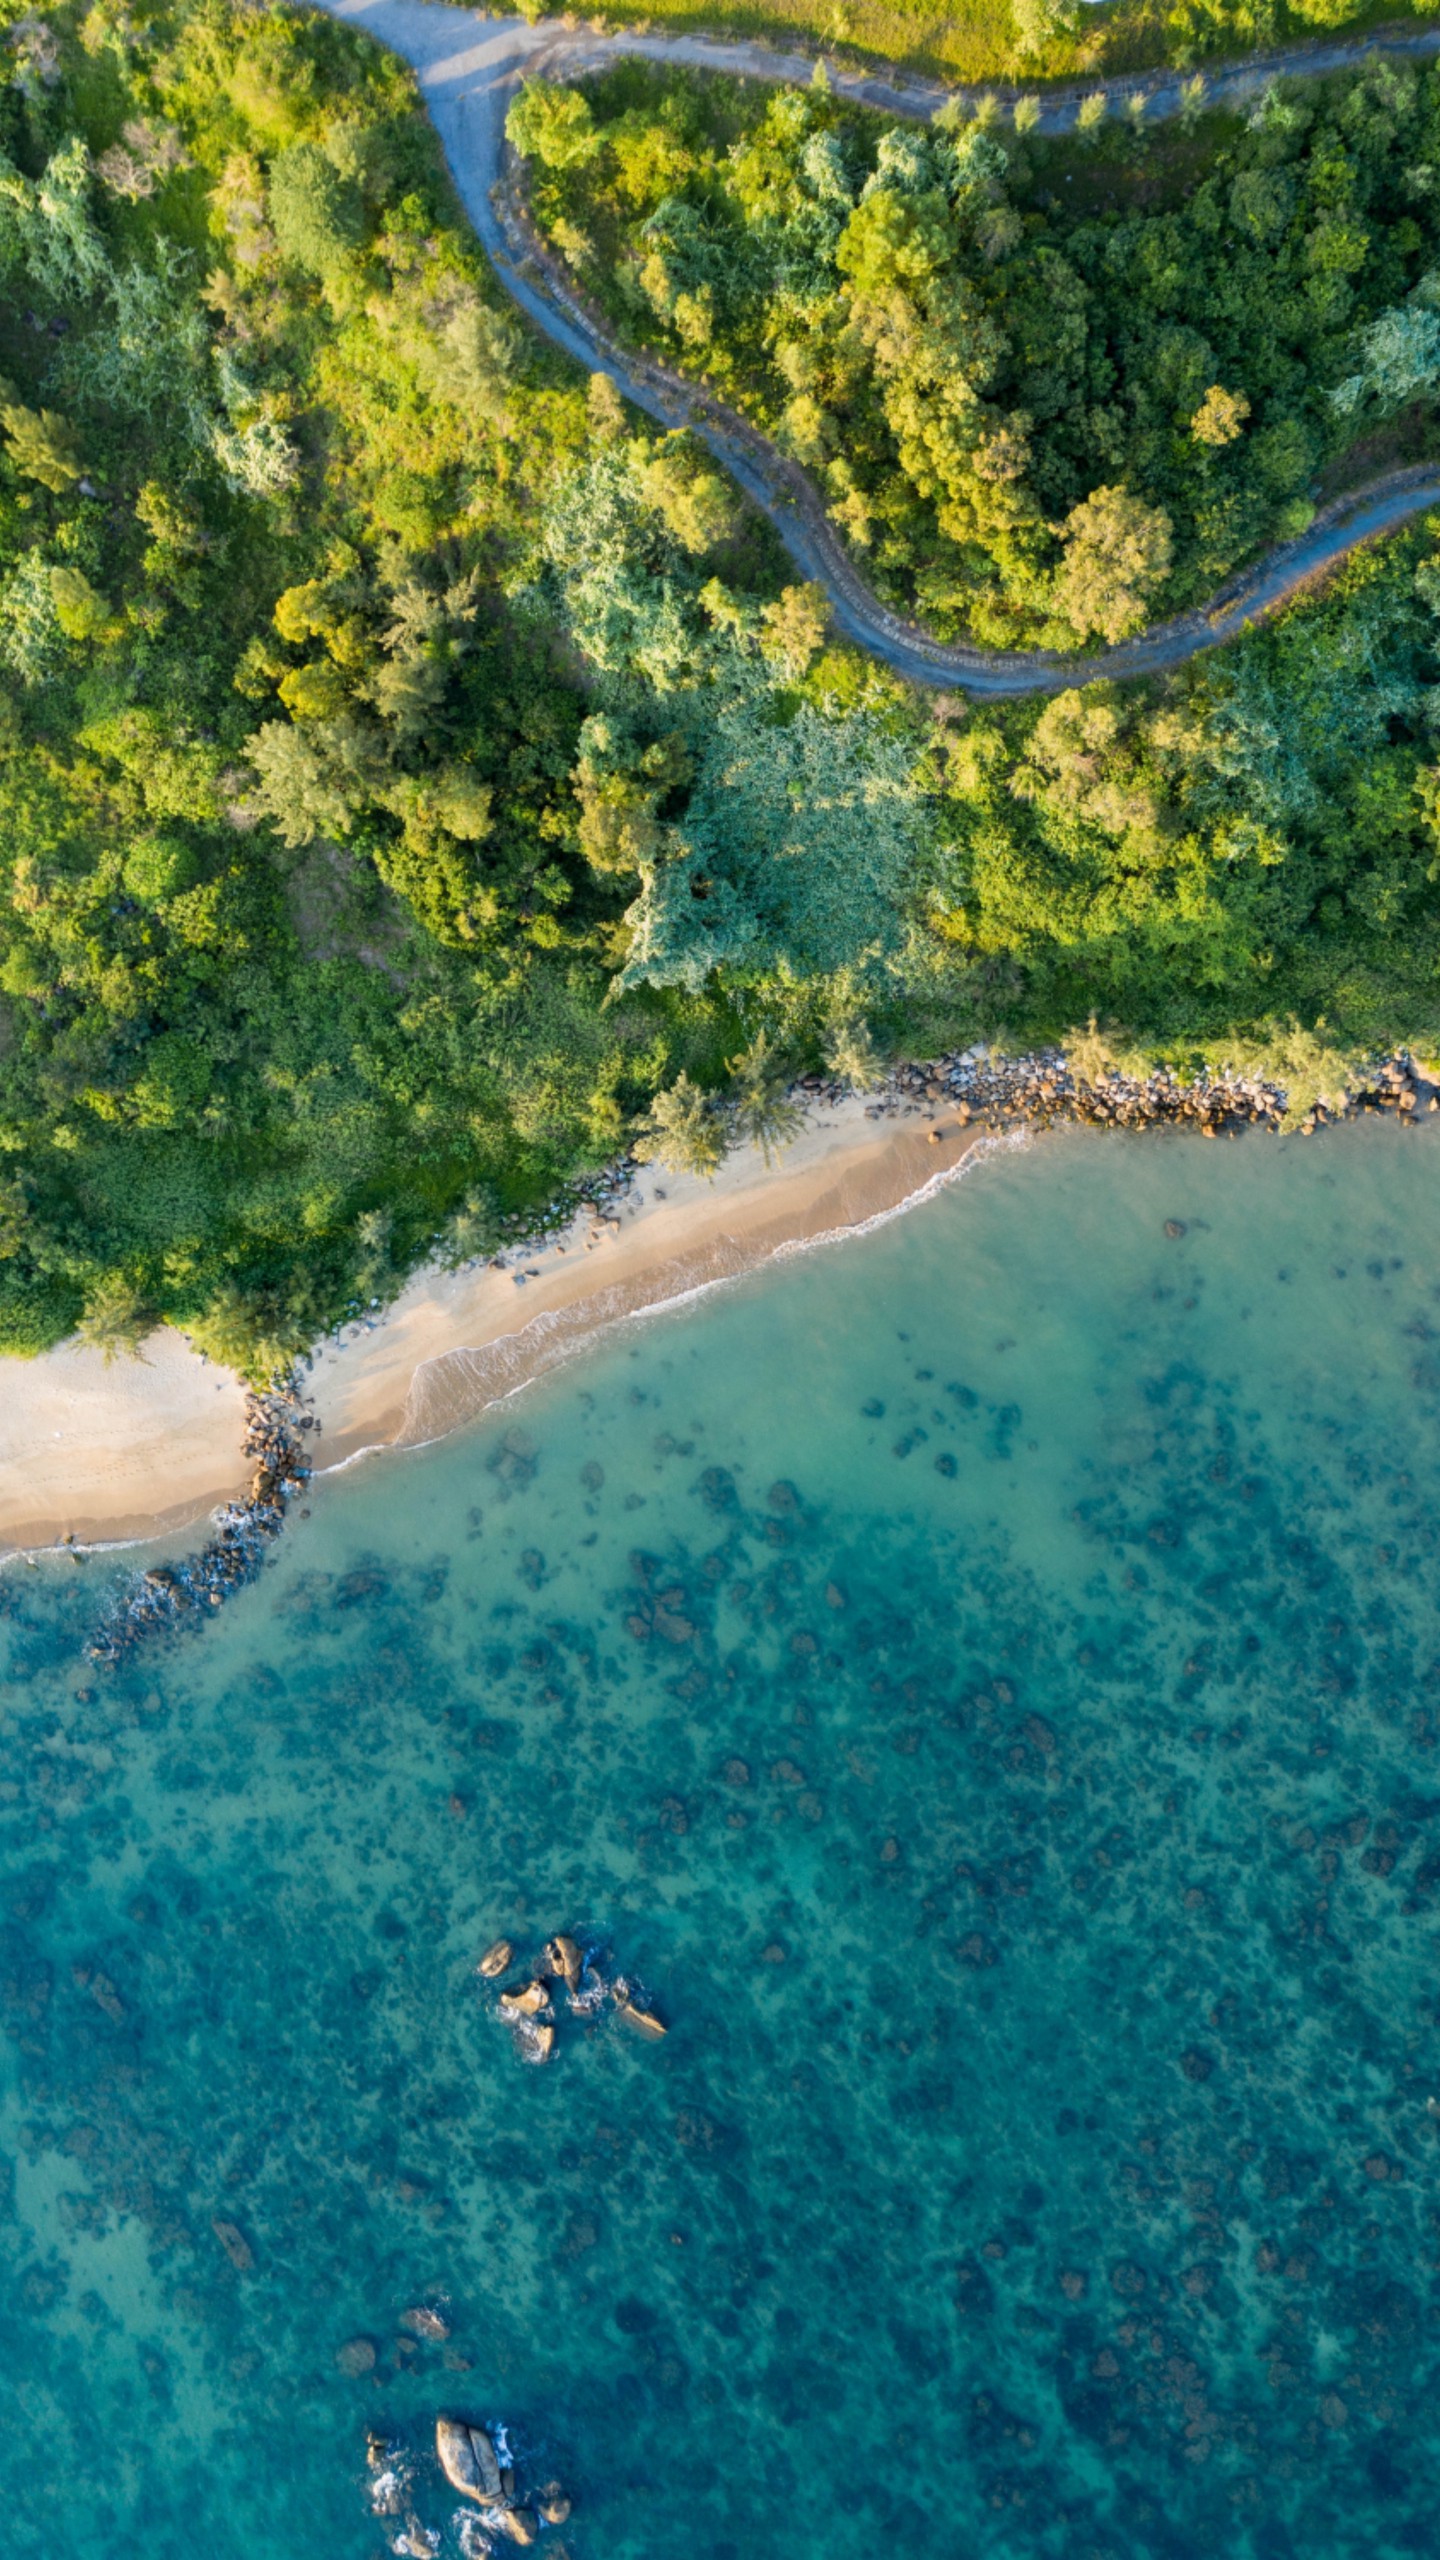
[412,766]
[305,947]
[1049,392]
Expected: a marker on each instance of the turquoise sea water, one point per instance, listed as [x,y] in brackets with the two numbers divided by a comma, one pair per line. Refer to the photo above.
[986,1681]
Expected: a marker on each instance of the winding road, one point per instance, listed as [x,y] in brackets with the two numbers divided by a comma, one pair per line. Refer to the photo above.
[469,66]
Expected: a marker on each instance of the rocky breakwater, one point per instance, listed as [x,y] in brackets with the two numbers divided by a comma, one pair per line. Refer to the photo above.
[1397,1086]
[978,1089]
[167,1597]
[981,1090]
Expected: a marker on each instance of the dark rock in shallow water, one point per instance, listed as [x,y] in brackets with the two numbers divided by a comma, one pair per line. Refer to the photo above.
[234,2243]
[423,2322]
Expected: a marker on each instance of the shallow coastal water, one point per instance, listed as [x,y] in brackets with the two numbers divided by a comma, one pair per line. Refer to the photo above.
[985,1680]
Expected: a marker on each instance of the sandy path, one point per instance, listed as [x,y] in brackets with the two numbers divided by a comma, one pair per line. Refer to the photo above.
[469,66]
[147,1446]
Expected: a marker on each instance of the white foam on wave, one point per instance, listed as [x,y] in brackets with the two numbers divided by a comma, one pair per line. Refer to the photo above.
[553,1319]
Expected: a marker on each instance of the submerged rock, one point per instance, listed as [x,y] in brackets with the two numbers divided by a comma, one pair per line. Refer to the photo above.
[517,2522]
[234,2243]
[422,2322]
[496,1960]
[552,2503]
[356,2356]
[590,1994]
[417,2542]
[390,2475]
[475,2544]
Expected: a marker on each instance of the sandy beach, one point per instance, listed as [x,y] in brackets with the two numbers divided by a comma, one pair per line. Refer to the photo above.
[146,1446]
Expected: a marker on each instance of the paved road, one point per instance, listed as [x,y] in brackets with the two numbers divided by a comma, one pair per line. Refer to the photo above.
[469,67]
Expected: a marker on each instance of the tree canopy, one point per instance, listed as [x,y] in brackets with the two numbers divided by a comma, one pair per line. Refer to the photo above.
[1046,389]
[418,778]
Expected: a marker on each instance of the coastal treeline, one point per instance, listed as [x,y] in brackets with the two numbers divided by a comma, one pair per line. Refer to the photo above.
[420,778]
[314,873]
[1048,391]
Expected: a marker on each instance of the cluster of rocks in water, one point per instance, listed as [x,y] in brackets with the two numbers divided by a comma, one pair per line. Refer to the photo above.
[570,1973]
[478,2462]
[167,1596]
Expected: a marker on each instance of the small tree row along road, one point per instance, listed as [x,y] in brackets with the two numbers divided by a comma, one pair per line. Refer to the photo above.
[469,68]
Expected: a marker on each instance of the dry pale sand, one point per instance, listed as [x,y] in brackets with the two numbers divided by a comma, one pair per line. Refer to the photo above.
[126,1451]
[147,1446]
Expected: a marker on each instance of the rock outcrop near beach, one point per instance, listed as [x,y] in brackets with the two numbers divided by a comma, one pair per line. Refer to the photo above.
[167,1597]
[990,1091]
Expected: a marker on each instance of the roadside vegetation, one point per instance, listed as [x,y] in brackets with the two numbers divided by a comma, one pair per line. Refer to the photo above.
[1048,393]
[418,778]
[1018,39]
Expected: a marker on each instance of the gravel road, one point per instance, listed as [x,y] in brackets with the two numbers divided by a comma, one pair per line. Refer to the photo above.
[469,66]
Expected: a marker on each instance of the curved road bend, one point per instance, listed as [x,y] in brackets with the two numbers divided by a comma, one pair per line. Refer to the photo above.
[469,67]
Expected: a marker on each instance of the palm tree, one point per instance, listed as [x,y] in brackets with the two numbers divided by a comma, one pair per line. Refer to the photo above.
[764,1112]
[851,1054]
[116,1318]
[682,1131]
